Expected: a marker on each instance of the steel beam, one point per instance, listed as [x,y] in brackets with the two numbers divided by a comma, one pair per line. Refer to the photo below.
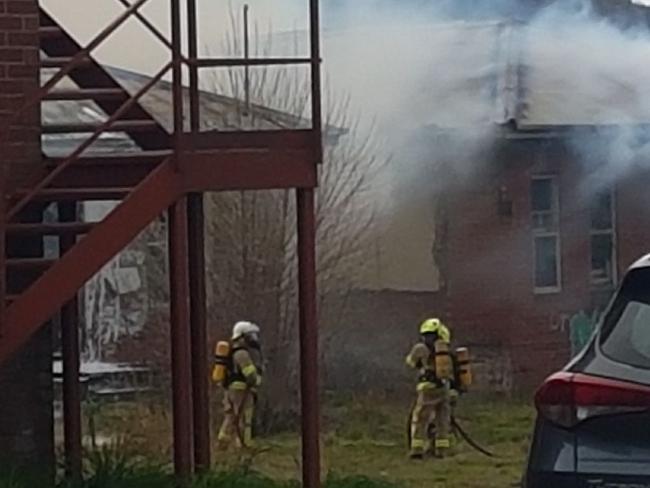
[180,339]
[290,140]
[72,432]
[316,102]
[177,80]
[231,62]
[200,386]
[309,390]
[247,170]
[192,42]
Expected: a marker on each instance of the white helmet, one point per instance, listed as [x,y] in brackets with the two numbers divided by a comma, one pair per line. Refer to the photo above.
[244,328]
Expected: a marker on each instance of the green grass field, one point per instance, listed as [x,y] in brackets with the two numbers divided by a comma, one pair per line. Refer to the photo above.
[362,437]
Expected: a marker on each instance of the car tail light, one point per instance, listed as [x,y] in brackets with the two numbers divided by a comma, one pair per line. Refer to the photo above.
[567,399]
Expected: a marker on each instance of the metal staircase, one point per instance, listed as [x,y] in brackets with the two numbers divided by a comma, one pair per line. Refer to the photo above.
[164,170]
[145,181]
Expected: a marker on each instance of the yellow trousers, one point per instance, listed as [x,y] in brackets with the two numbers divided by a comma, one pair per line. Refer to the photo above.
[236,428]
[432,404]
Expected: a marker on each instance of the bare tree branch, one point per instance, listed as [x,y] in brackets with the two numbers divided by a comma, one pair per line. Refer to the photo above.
[251,236]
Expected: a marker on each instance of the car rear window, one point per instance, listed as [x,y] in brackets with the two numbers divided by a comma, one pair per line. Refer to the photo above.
[626,327]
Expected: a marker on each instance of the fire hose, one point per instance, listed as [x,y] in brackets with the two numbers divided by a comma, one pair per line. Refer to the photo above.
[463,433]
[457,429]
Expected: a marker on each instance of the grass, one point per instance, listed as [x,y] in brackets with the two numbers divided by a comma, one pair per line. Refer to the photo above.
[368,439]
[364,437]
[363,446]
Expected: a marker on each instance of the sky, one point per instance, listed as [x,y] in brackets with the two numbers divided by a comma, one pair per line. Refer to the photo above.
[132,47]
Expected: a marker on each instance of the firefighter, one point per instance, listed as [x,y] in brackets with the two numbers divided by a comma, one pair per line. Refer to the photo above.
[242,380]
[432,360]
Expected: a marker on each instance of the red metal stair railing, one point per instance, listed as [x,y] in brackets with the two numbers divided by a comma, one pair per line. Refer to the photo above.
[77,59]
[72,158]
[21,318]
[62,280]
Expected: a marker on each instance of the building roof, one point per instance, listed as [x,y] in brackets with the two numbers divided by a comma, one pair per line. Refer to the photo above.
[536,77]
[218,112]
[581,80]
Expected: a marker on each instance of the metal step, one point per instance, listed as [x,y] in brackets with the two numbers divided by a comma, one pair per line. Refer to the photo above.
[50,31]
[118,126]
[25,264]
[76,194]
[50,228]
[62,62]
[117,158]
[87,94]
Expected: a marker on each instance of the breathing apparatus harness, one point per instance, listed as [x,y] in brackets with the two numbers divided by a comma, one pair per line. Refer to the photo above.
[458,379]
[440,359]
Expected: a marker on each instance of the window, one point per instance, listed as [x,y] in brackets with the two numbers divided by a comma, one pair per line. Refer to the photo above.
[546,262]
[544,199]
[602,238]
[626,328]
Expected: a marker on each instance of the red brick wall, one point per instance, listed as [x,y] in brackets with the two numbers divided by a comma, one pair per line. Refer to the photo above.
[489,258]
[633,204]
[19,58]
[25,381]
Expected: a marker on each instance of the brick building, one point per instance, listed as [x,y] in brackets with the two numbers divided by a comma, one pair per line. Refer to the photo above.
[524,252]
[541,204]
[26,402]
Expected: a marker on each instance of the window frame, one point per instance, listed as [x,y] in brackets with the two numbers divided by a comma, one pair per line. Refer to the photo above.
[539,232]
[614,255]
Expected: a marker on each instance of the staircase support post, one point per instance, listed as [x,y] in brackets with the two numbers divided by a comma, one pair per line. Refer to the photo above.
[195,218]
[198,326]
[177,79]
[192,48]
[309,390]
[3,240]
[72,430]
[180,339]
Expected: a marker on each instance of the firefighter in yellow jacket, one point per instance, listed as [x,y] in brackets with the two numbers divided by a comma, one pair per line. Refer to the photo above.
[431,359]
[243,379]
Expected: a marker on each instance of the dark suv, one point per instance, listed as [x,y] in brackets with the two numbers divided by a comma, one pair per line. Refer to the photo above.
[593,424]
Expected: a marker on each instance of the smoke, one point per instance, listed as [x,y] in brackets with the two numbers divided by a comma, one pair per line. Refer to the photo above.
[471,66]
[439,80]
[591,76]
